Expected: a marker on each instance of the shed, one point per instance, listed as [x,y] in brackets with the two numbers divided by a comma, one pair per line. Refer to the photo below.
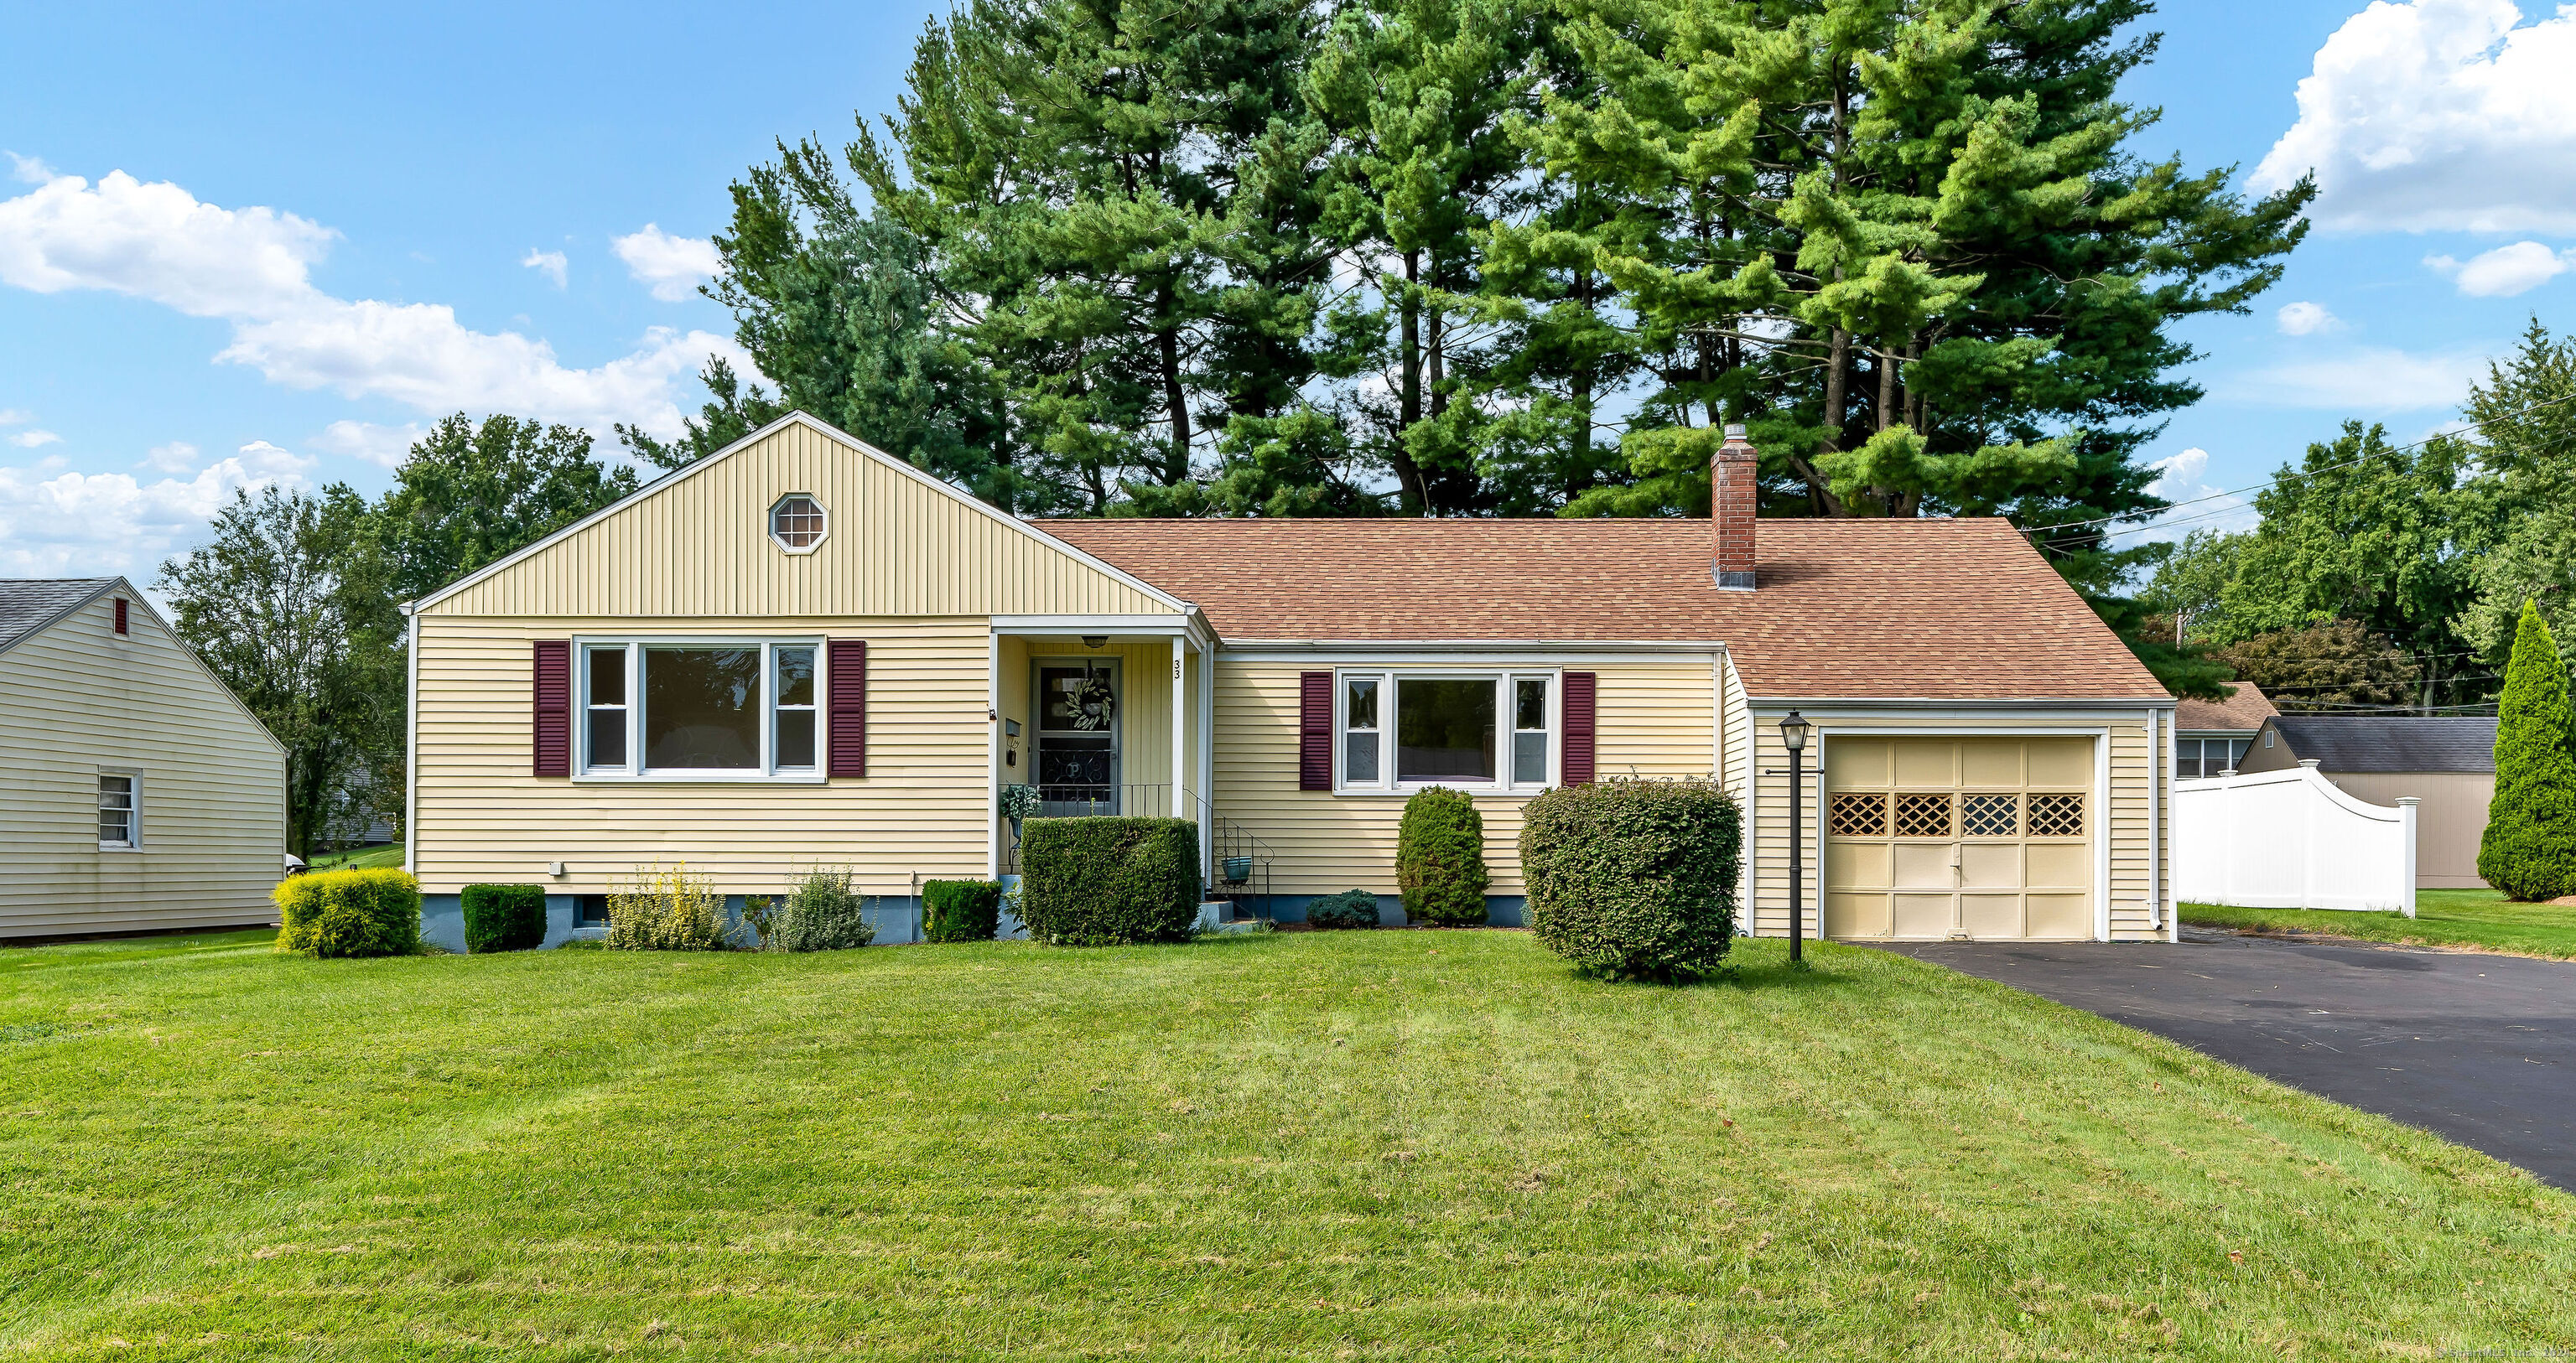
[2448,762]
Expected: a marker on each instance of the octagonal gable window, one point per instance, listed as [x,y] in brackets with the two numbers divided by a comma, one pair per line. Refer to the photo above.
[798,523]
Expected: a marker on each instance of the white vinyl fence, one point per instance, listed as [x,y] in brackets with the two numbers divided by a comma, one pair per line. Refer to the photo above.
[2291,840]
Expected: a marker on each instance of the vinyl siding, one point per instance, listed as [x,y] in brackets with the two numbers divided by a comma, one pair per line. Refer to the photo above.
[75,697]
[2124,821]
[923,808]
[1655,717]
[700,547]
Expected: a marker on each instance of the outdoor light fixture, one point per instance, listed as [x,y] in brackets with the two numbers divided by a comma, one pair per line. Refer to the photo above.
[1095,640]
[1793,733]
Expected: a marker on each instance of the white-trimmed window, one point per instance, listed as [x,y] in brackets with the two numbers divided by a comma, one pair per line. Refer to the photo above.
[1398,731]
[120,811]
[798,523]
[700,709]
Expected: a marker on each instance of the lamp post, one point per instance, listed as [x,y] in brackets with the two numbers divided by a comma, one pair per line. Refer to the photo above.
[1793,733]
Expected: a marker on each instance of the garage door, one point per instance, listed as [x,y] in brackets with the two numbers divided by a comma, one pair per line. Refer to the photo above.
[1985,838]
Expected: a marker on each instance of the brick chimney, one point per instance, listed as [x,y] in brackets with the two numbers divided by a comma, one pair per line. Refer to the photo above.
[1731,479]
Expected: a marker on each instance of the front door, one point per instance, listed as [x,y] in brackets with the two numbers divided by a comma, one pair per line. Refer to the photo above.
[1077,737]
[1978,838]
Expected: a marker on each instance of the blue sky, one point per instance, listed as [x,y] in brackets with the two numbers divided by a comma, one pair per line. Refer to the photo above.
[268,245]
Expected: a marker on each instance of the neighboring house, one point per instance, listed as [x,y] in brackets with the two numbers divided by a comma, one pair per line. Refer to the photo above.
[2447,762]
[2213,736]
[136,792]
[803,651]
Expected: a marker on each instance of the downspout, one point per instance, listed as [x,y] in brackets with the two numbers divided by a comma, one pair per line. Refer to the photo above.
[411,740]
[2157,736]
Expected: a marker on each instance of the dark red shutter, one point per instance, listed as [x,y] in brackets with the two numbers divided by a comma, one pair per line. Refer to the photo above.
[1315,731]
[1577,708]
[846,662]
[120,615]
[553,707]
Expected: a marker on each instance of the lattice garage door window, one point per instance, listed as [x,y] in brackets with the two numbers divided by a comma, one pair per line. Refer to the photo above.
[1990,816]
[2057,816]
[1860,816]
[1922,816]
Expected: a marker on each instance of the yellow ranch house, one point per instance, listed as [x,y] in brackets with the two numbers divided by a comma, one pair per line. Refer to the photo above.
[804,652]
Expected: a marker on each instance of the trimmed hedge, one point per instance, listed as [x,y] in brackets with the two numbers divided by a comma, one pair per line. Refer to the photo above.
[1109,881]
[1349,909]
[960,910]
[1440,859]
[2529,847]
[821,913]
[504,917]
[1634,879]
[349,913]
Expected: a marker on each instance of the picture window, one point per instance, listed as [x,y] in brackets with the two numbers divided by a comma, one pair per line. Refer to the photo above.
[1396,731]
[727,709]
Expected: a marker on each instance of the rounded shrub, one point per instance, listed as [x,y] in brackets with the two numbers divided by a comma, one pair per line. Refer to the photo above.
[821,913]
[1349,909]
[1440,859]
[1634,879]
[1109,881]
[2529,848]
[960,910]
[349,913]
[504,917]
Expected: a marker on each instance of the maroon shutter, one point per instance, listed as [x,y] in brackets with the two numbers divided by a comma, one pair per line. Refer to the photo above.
[1577,707]
[1315,731]
[553,707]
[120,615]
[846,666]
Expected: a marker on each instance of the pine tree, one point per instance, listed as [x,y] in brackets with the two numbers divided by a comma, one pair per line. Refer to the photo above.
[2529,851]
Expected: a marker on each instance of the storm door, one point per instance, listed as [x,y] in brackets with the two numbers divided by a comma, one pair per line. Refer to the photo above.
[1077,737]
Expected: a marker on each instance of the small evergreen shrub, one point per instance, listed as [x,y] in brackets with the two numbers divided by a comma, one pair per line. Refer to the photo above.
[1349,909]
[668,908]
[960,910]
[1109,881]
[822,913]
[1634,879]
[1440,859]
[2529,849]
[349,913]
[504,917]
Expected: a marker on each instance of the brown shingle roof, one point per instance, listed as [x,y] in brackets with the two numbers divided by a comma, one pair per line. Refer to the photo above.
[2246,711]
[1885,609]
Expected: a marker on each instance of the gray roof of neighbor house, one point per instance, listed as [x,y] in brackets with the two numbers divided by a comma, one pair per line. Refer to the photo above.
[30,604]
[2366,743]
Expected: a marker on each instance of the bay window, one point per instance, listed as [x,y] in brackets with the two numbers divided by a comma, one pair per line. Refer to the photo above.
[733,709]
[1400,731]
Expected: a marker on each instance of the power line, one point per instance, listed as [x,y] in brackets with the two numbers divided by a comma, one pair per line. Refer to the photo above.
[2300,473]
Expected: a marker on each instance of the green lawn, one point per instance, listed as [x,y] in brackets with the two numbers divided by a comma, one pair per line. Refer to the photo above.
[1314,1145]
[360,859]
[2462,918]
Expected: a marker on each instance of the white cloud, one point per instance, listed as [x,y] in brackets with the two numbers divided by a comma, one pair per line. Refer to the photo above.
[2438,115]
[15,416]
[81,525]
[380,445]
[2183,480]
[2307,319]
[252,268]
[551,263]
[672,266]
[2506,270]
[28,169]
[28,440]
[2363,379]
[176,457]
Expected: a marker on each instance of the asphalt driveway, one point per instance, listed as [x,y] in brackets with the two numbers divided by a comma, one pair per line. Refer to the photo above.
[2479,1048]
